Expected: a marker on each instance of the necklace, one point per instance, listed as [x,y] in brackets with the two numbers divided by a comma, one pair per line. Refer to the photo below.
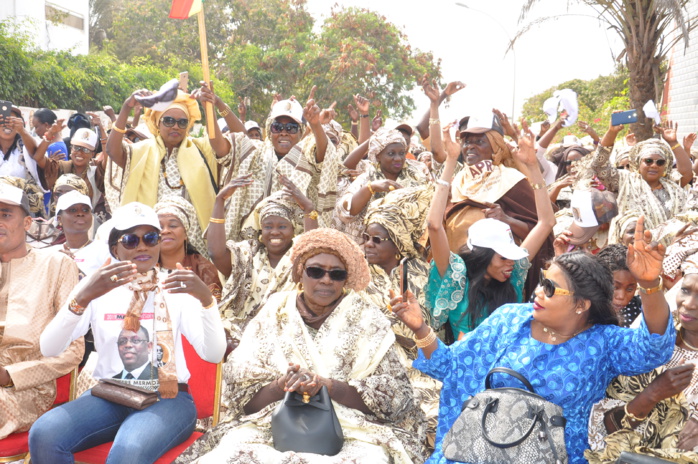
[164,174]
[67,250]
[553,335]
[688,345]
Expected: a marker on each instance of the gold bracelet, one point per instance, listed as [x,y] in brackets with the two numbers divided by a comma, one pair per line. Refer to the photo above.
[632,416]
[117,129]
[75,308]
[217,220]
[10,384]
[433,122]
[426,341]
[355,123]
[649,291]
[213,303]
[370,189]
[678,145]
[536,186]
[312,215]
[225,112]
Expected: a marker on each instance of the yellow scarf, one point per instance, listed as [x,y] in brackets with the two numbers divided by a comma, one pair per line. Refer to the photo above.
[144,174]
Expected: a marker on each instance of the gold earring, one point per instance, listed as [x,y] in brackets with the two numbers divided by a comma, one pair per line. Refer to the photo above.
[344,291]
[398,256]
[259,239]
[299,286]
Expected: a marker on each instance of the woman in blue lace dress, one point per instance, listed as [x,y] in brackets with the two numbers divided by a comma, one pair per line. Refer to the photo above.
[464,289]
[567,343]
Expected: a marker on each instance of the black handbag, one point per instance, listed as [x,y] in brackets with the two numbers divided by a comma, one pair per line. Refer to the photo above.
[507,425]
[307,424]
[634,458]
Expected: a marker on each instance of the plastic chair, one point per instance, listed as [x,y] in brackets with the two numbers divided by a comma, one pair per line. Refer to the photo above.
[16,446]
[205,388]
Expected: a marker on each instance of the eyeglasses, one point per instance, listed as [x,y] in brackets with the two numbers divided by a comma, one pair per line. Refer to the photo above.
[317,273]
[650,162]
[85,150]
[169,121]
[289,127]
[374,238]
[131,241]
[132,341]
[624,166]
[549,287]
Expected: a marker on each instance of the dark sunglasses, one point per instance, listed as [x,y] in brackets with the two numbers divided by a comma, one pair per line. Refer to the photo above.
[650,162]
[374,238]
[549,287]
[85,150]
[289,127]
[169,121]
[317,273]
[131,241]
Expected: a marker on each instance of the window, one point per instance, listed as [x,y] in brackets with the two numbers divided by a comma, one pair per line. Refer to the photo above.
[60,16]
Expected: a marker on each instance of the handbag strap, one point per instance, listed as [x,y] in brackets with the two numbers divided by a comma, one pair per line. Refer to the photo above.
[511,372]
[549,436]
[492,404]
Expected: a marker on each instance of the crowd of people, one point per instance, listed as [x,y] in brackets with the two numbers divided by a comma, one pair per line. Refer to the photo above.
[391,268]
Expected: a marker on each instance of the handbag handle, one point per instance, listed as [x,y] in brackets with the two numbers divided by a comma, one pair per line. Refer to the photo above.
[511,372]
[491,405]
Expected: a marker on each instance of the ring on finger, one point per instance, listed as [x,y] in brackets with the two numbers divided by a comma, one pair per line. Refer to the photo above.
[306,378]
[114,278]
[182,284]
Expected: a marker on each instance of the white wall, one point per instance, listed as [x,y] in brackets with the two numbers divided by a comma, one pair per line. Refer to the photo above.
[48,35]
[682,104]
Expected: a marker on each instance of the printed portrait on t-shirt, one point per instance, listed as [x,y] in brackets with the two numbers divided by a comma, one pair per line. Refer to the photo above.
[162,355]
[136,351]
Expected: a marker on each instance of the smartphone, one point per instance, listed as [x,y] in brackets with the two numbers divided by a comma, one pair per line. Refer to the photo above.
[5,108]
[624,117]
[404,277]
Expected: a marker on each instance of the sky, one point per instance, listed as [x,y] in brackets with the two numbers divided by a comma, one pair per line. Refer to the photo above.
[471,43]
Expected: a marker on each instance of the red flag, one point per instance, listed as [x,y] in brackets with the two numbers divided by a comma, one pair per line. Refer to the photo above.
[183,9]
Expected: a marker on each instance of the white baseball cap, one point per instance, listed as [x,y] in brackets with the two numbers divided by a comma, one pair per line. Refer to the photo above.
[290,108]
[570,140]
[590,209]
[84,138]
[71,198]
[252,125]
[135,214]
[14,196]
[494,234]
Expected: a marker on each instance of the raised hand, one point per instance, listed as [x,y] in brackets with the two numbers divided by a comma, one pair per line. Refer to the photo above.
[131,100]
[644,256]
[362,104]
[227,191]
[407,309]
[276,99]
[562,242]
[311,112]
[55,129]
[353,114]
[453,87]
[204,94]
[242,109]
[291,189]
[668,129]
[106,279]
[328,114]
[688,141]
[431,90]
[506,125]
[377,121]
[185,281]
[526,154]
[630,139]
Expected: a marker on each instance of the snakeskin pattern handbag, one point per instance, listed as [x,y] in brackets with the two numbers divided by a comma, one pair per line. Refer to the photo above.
[507,426]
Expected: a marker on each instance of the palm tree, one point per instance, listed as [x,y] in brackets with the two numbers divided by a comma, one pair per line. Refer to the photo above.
[649,29]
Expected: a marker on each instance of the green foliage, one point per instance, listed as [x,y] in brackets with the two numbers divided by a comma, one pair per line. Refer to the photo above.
[597,98]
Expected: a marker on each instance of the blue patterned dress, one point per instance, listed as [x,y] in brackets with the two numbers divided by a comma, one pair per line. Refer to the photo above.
[573,375]
[447,297]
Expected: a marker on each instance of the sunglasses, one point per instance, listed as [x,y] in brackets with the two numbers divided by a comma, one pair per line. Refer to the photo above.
[169,121]
[374,238]
[317,273]
[289,127]
[84,150]
[650,162]
[131,241]
[549,287]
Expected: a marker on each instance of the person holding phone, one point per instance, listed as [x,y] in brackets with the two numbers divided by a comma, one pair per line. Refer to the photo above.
[464,289]
[649,186]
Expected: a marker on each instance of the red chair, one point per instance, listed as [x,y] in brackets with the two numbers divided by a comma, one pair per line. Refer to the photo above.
[205,388]
[16,446]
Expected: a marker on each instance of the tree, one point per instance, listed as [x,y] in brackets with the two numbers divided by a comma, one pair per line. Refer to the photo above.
[648,30]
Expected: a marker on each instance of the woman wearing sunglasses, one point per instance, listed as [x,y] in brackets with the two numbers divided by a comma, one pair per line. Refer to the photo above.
[172,162]
[566,343]
[125,298]
[322,334]
[491,269]
[649,186]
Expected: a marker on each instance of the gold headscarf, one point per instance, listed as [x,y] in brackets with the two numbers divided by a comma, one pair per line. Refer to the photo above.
[34,195]
[402,213]
[381,139]
[184,102]
[501,152]
[72,180]
[185,212]
[277,204]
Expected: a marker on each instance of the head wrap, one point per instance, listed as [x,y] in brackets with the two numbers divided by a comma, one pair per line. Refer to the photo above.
[277,204]
[184,102]
[334,242]
[501,151]
[381,139]
[690,264]
[651,147]
[32,191]
[623,153]
[74,181]
[402,213]
[333,128]
[560,158]
[185,212]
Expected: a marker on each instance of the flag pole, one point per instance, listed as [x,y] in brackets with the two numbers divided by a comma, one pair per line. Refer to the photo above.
[203,43]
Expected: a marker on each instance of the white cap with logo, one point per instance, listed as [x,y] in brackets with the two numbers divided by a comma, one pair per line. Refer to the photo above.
[134,214]
[84,137]
[494,234]
[289,108]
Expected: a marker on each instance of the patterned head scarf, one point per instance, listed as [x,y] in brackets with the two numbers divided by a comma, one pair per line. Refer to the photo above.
[74,181]
[333,128]
[651,147]
[381,139]
[185,212]
[690,264]
[277,204]
[34,195]
[334,242]
[402,213]
[184,102]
